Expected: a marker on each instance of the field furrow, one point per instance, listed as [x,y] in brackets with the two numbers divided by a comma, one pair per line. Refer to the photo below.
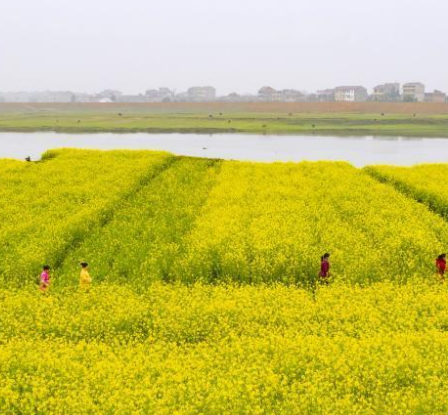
[48,207]
[424,183]
[140,243]
[265,223]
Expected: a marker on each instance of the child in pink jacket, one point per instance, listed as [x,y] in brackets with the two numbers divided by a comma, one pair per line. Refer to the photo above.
[45,278]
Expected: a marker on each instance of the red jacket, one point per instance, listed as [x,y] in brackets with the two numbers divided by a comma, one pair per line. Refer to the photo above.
[441,265]
[324,269]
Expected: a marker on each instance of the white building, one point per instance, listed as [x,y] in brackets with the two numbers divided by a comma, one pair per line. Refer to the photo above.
[386,92]
[350,94]
[159,95]
[201,93]
[414,91]
[269,94]
[326,95]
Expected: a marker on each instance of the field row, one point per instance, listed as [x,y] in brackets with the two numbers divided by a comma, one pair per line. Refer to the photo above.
[396,375]
[48,207]
[424,183]
[140,217]
[225,350]
[207,313]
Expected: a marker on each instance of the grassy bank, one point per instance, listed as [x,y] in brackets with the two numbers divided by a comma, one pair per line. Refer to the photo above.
[416,121]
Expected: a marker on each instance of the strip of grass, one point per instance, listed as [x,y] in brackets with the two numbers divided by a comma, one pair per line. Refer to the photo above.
[193,122]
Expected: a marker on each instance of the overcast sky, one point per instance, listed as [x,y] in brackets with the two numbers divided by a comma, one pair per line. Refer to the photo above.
[234,45]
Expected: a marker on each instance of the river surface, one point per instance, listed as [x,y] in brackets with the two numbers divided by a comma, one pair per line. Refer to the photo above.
[359,151]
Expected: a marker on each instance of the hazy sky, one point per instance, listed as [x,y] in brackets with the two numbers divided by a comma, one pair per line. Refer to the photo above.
[235,45]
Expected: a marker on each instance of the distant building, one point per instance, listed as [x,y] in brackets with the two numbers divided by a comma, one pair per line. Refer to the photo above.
[414,92]
[436,96]
[181,97]
[350,94]
[269,94]
[326,95]
[152,95]
[166,94]
[386,92]
[56,96]
[38,97]
[201,94]
[132,98]
[266,94]
[292,95]
[159,95]
[234,97]
[311,97]
[108,94]
[77,97]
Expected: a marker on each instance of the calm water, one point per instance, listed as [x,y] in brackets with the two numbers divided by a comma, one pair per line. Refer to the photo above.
[359,151]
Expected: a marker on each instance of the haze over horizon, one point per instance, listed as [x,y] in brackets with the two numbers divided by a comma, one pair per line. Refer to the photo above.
[234,46]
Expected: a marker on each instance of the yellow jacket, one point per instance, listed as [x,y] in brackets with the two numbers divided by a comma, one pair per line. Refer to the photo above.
[85,278]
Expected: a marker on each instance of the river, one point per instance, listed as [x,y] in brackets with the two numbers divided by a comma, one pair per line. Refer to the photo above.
[359,151]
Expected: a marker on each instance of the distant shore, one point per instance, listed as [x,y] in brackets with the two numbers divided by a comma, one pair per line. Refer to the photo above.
[357,119]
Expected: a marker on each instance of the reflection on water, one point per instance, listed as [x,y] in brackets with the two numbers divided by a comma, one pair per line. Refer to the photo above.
[359,151]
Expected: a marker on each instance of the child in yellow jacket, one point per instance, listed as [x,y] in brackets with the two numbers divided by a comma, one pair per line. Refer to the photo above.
[85,279]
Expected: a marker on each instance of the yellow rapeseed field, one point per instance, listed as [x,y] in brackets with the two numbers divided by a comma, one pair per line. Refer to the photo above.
[205,297]
[225,350]
[424,183]
[48,207]
[272,223]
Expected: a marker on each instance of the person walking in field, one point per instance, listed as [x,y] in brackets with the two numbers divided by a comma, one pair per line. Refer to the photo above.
[85,279]
[441,266]
[45,279]
[324,273]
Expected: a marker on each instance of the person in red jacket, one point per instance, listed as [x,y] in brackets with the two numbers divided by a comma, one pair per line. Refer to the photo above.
[441,266]
[324,273]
